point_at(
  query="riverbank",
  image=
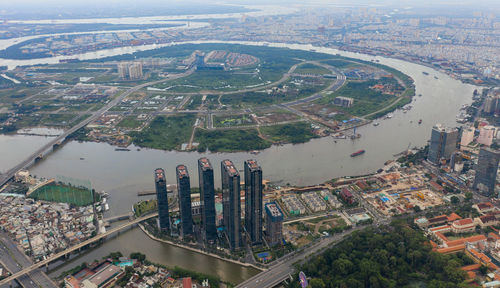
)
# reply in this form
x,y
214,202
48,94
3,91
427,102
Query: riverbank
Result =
x,y
299,165
197,250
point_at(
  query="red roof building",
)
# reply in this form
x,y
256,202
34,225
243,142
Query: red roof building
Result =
x,y
347,196
463,225
187,283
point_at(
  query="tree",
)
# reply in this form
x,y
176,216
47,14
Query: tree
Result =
x,y
483,270
454,200
138,256
468,196
317,283
342,266
417,208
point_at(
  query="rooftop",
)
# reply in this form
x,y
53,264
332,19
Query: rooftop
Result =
x,y
229,167
273,209
485,205
442,128
159,174
463,222
252,164
182,171
204,164
104,275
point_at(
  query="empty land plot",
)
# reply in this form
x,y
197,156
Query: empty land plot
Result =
x,y
230,140
165,133
233,120
309,68
275,117
129,122
298,132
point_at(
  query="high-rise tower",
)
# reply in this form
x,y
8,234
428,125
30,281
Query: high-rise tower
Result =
x,y
253,201
443,143
207,194
231,203
161,196
184,189
486,171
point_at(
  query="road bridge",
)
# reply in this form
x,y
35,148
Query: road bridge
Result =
x,y
54,257
57,141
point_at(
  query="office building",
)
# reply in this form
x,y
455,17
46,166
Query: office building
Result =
x,y
274,224
343,101
123,70
184,190
486,135
486,171
162,198
443,143
490,105
135,71
231,203
467,136
253,201
207,195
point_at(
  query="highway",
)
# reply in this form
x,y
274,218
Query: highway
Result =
x,y
283,268
36,266
14,260
47,148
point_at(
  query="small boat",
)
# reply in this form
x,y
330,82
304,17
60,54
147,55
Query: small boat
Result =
x,y
355,136
435,77
357,153
376,124
122,149
425,73
254,152
419,95
420,121
81,158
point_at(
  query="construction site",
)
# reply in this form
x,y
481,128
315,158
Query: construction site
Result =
x,y
403,192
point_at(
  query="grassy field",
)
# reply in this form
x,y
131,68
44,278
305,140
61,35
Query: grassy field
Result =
x,y
299,132
366,100
297,88
63,194
233,120
230,140
56,120
165,133
341,63
130,122
211,80
309,68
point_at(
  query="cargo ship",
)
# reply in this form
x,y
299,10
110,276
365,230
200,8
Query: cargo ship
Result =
x,y
357,153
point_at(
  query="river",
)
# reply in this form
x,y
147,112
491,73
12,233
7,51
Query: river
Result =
x,y
122,174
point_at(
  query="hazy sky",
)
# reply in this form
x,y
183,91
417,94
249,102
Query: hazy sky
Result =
x,y
43,7
183,2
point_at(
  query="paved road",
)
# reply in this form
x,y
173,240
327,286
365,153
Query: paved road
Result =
x,y
48,147
283,268
36,266
14,260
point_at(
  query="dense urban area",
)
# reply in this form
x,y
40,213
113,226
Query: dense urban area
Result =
x,y
214,94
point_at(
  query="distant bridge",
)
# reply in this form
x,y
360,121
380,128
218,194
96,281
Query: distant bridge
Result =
x,y
57,141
